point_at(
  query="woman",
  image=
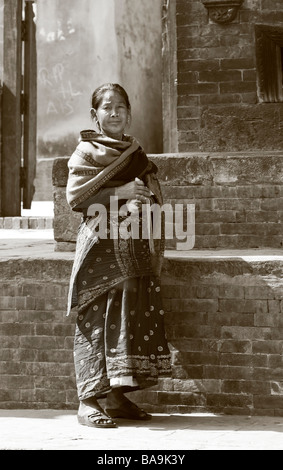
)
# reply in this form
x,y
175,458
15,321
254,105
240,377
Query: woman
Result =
x,y
120,343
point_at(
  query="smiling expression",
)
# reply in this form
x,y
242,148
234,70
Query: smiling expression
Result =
x,y
112,115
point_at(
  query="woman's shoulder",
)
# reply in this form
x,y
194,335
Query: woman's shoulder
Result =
x,y
84,149
85,141
131,139
88,135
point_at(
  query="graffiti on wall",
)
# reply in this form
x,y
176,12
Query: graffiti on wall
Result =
x,y
62,90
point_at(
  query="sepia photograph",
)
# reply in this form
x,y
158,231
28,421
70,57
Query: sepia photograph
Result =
x,y
141,227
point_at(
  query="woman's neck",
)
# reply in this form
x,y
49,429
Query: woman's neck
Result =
x,y
114,136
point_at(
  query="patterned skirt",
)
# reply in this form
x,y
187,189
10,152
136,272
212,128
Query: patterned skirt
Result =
x,y
120,338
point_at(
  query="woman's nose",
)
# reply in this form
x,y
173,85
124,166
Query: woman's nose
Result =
x,y
114,113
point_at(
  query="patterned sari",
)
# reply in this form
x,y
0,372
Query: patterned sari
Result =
x,y
120,338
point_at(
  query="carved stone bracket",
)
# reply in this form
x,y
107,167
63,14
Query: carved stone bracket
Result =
x,y
222,11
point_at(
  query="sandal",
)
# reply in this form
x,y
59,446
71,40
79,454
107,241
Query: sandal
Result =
x,y
128,410
89,416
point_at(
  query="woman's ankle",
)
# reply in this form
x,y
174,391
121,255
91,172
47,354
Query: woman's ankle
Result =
x,y
115,396
90,401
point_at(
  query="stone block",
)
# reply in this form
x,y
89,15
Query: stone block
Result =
x,y
237,198
243,127
66,221
60,171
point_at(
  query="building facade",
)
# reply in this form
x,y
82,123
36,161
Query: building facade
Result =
x,y
223,75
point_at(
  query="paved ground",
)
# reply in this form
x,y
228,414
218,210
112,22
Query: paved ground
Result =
x,y
29,244
59,430
40,244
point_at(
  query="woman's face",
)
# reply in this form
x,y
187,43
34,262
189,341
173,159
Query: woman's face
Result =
x,y
112,115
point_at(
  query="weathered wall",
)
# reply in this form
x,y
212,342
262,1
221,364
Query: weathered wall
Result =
x,y
218,102
84,44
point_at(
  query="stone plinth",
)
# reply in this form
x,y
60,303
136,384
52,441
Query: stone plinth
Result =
x,y
223,320
238,198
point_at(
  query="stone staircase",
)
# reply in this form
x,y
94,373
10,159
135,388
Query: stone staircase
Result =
x,y
223,298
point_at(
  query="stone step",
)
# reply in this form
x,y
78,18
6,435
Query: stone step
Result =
x,y
223,322
230,200
40,216
16,223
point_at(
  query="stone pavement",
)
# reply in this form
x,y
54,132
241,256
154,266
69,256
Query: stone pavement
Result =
x,y
59,430
39,243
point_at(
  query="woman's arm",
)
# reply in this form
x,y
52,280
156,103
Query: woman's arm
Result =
x,y
134,190
102,196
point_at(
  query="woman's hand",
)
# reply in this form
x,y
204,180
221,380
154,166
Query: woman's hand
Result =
x,y
133,190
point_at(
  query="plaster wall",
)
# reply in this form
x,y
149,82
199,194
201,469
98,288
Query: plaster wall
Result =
x,y
81,46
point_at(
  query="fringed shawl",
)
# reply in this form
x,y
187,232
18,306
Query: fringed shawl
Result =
x,y
97,162
100,161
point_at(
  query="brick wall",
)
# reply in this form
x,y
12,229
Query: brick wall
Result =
x,y
238,198
223,321
36,363
225,325
217,73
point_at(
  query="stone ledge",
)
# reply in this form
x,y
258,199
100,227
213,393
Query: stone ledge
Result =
x,y
17,223
39,258
237,197
204,168
267,254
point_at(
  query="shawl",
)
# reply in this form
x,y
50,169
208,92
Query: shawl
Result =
x,y
100,161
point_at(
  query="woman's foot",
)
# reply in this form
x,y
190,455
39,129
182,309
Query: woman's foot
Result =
x,y
118,406
91,414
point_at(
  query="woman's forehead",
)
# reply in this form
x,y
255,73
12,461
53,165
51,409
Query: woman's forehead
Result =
x,y
111,96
